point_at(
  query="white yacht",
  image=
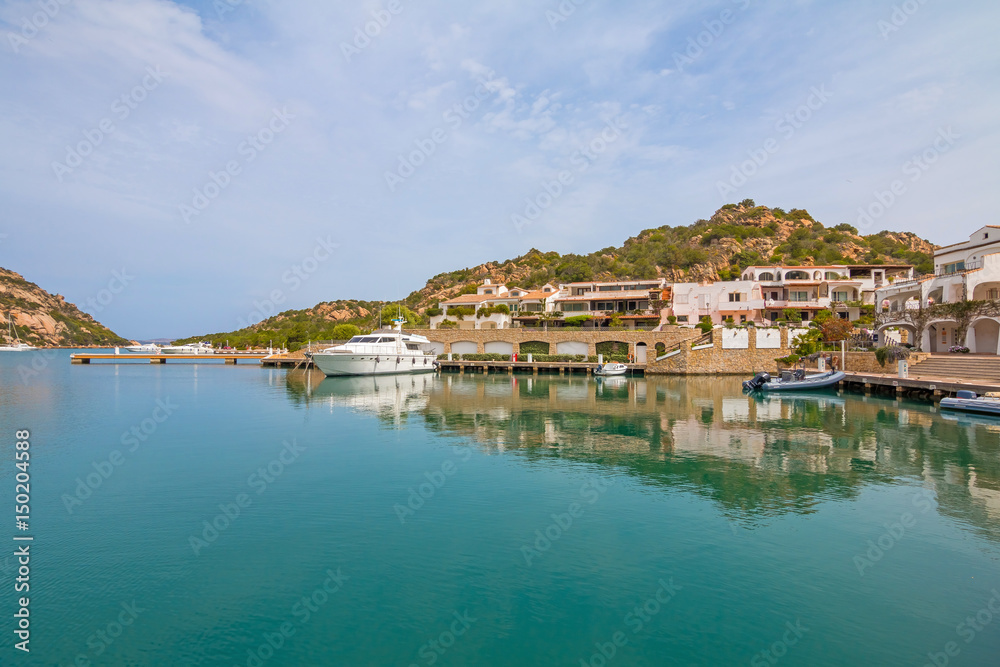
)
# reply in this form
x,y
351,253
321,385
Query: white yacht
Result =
x,y
149,348
380,352
190,348
16,345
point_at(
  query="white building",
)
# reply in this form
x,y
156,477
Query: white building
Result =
x,y
969,270
488,296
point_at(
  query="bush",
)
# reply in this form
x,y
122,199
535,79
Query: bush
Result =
x,y
490,356
345,331
671,319
533,347
705,324
486,311
447,324
577,320
461,311
433,311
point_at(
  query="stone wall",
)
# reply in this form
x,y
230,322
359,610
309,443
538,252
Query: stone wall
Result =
x,y
670,336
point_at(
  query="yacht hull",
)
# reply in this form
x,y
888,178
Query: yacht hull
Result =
x,y
335,364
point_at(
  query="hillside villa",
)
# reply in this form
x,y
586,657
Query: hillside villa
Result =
x,y
969,270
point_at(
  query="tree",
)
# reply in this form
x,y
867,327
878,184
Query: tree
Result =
x,y
806,342
964,313
836,329
917,319
345,331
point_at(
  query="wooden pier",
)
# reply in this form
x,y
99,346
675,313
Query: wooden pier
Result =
x,y
926,388
229,358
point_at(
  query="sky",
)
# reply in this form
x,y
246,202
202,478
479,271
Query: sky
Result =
x,y
185,168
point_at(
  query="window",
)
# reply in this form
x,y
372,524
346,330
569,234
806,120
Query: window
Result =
x,y
681,298
775,296
743,318
843,315
609,288
805,315
682,318
993,294
735,297
604,305
954,267
573,307
772,316
632,305
798,296
841,296
487,291
766,276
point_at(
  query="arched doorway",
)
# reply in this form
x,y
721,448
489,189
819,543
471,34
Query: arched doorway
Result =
x,y
987,333
640,353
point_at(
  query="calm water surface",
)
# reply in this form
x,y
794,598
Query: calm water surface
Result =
x,y
264,517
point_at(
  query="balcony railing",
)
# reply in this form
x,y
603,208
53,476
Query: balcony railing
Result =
x,y
969,266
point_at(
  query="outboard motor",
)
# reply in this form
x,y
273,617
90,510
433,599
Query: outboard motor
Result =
x,y
757,382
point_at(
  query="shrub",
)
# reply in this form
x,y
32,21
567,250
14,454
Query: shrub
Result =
x,y
461,311
705,324
892,353
489,356
577,320
534,347
447,324
345,331
671,319
433,311
836,329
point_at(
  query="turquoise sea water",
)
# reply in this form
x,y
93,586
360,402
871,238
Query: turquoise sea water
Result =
x,y
470,520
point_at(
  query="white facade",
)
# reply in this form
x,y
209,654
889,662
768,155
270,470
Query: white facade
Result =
x,y
969,270
740,299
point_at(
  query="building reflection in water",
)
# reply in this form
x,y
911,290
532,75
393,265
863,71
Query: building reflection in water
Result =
x,y
755,456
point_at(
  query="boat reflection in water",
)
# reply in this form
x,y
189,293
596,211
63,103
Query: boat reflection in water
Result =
x,y
391,398
755,456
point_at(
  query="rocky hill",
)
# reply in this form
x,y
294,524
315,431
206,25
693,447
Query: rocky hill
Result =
x,y
736,236
43,319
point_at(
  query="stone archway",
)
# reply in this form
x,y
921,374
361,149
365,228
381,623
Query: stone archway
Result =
x,y
987,336
640,353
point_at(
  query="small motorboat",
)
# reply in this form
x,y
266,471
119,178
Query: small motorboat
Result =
x,y
793,381
968,401
607,370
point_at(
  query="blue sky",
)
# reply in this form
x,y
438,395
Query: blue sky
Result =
x,y
226,153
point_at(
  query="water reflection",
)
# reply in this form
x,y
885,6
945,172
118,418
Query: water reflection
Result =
x,y
755,456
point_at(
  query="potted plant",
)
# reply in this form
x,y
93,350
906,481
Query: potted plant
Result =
x,y
958,349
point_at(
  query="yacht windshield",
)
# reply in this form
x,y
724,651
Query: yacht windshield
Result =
x,y
356,339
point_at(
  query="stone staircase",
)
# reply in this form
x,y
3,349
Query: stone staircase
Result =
x,y
959,367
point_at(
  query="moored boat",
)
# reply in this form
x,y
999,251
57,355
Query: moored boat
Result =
x,y
149,348
16,345
378,353
793,381
968,401
611,369
191,348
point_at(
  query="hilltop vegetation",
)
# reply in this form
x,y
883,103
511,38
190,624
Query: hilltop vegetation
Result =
x,y
736,236
44,319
